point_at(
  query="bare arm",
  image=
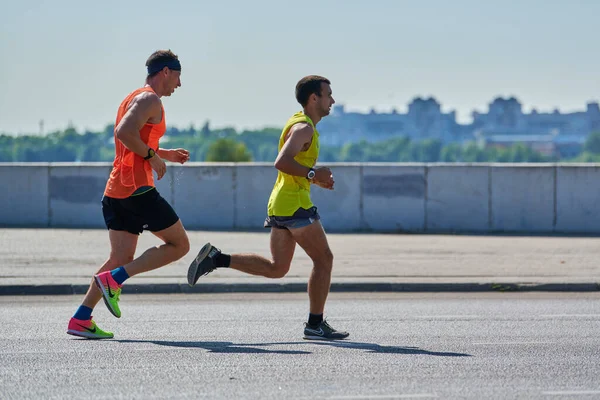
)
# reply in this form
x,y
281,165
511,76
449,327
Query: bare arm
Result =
x,y
174,155
298,137
163,153
143,108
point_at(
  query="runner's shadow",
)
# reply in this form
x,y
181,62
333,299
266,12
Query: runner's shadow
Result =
x,y
376,348
221,347
372,348
254,348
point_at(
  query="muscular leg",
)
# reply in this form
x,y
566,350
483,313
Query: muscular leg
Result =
x,y
122,251
313,240
176,246
282,251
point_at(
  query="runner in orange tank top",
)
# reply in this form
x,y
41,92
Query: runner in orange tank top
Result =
x,y
131,202
131,171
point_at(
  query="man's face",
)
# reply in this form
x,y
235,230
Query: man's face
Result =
x,y
172,81
325,100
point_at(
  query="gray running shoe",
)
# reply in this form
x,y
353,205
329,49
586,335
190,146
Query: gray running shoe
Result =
x,y
203,264
323,331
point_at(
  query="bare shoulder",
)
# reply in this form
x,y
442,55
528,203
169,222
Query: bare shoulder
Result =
x,y
147,100
147,107
302,129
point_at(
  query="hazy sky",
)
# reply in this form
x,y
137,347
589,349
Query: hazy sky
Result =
x,y
73,61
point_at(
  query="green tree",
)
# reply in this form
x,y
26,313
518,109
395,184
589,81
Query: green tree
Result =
x,y
586,157
519,153
6,148
451,153
592,143
354,151
228,150
472,153
205,131
430,150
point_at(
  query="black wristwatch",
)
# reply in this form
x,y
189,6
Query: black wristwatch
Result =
x,y
311,174
151,154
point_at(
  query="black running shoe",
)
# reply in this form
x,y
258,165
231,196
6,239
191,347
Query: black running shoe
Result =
x,y
203,264
323,331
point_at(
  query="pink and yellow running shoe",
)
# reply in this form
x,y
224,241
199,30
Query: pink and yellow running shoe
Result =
x,y
87,329
110,292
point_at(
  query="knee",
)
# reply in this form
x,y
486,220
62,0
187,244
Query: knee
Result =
x,y
329,258
185,246
182,246
279,271
325,260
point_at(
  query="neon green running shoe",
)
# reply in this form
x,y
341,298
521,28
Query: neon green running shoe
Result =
x,y
87,329
110,290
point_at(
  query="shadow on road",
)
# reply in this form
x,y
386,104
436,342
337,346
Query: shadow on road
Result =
x,y
230,347
220,347
376,348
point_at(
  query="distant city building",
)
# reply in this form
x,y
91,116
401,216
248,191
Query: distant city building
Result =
x,y
424,120
555,134
550,133
506,116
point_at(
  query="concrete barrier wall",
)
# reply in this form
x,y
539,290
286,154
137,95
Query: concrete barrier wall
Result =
x,y
24,195
393,197
458,198
75,194
204,195
253,187
525,198
577,198
340,208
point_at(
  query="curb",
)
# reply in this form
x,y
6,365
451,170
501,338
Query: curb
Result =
x,y
166,288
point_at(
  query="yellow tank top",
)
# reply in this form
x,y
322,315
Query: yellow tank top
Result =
x,y
293,192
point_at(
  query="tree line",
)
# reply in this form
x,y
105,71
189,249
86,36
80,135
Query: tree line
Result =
x,y
227,144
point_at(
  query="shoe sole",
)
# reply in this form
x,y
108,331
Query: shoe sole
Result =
x,y
309,337
105,296
87,335
193,269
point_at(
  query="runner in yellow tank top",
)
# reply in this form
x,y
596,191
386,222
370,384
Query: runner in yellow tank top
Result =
x,y
291,215
290,192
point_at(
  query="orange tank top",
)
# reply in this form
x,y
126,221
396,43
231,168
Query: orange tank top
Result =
x,y
130,171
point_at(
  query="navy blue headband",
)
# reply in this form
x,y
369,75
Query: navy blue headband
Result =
x,y
170,63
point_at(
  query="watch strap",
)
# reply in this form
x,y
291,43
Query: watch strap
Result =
x,y
151,153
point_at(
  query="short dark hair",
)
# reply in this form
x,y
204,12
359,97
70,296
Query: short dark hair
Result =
x,y
308,85
160,56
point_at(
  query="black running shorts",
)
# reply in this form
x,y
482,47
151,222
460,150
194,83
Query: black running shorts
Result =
x,y
147,211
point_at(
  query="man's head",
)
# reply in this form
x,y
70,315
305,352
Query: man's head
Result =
x,y
313,92
164,71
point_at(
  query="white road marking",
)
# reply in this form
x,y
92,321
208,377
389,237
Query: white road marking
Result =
x,y
389,396
572,393
447,316
570,316
507,343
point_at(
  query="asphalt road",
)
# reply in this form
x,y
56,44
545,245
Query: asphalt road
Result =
x,y
484,345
